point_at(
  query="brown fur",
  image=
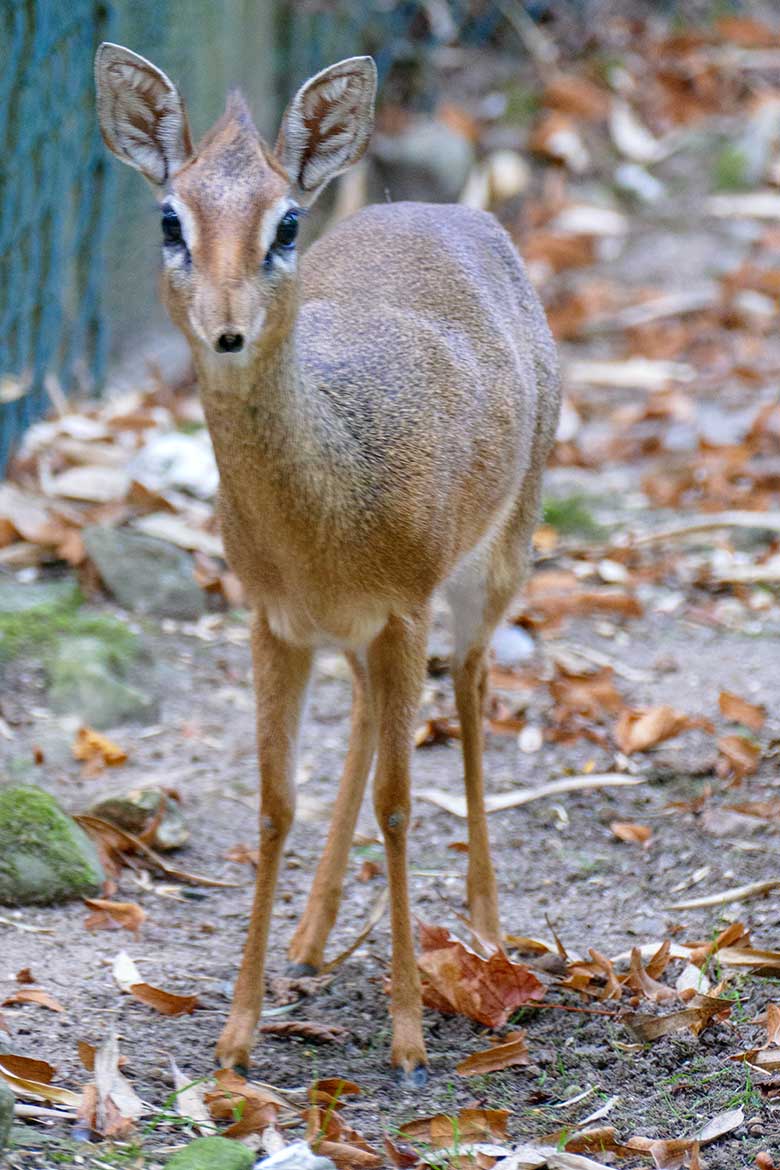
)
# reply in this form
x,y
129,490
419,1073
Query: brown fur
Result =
x,y
385,435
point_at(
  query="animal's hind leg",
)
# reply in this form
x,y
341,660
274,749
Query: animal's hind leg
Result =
x,y
308,944
478,596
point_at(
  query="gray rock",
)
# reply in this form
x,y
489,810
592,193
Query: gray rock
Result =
x,y
427,160
211,1153
144,574
18,598
6,1114
44,855
84,681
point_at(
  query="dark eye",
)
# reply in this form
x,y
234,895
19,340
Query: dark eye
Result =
x,y
171,227
287,231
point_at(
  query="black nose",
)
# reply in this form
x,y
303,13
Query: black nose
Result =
x,y
230,342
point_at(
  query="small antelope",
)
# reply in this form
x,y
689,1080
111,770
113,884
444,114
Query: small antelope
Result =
x,y
381,413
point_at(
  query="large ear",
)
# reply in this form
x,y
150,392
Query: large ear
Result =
x,y
141,114
327,125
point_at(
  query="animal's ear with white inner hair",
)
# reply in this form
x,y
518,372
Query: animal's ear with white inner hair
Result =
x,y
141,114
328,125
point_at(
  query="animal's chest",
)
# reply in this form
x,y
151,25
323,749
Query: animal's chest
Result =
x,y
310,590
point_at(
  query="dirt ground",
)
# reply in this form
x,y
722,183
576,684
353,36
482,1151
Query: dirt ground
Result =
x,y
559,863
556,859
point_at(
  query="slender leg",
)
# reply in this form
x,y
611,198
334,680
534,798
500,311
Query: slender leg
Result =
x,y
396,662
308,943
470,680
281,672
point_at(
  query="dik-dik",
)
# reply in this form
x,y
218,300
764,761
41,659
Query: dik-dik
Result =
x,y
381,411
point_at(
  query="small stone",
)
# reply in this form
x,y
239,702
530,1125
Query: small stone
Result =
x,y
512,646
44,855
143,809
145,575
212,1153
84,681
6,1114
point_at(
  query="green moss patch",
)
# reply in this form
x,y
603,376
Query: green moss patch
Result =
x,y
44,855
33,618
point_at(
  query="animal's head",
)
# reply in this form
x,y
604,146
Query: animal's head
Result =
x,y
230,206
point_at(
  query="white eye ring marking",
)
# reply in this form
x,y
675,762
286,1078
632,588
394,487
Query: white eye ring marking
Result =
x,y
270,222
189,229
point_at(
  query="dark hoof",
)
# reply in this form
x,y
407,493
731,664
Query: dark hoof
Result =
x,y
242,1070
416,1079
301,970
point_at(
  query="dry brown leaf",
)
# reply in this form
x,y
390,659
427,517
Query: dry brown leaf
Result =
x,y
402,1155
632,833
307,1030
767,1059
468,1125
36,996
741,757
25,975
329,1135
250,1108
110,1106
436,731
746,32
773,1023
28,1068
368,870
86,1053
164,1002
255,1118
117,841
738,710
458,980
243,854
114,915
701,1010
641,729
572,94
641,981
23,1087
347,1155
591,695
90,746
503,1054
330,1090
29,516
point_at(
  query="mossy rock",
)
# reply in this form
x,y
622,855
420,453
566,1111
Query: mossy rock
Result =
x,y
44,855
84,681
35,617
212,1153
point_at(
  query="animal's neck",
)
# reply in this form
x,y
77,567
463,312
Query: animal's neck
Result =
x,y
272,431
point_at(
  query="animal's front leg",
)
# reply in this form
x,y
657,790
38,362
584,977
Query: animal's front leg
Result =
x,y
281,673
397,667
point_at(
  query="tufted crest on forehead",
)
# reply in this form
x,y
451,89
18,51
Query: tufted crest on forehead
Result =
x,y
232,161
